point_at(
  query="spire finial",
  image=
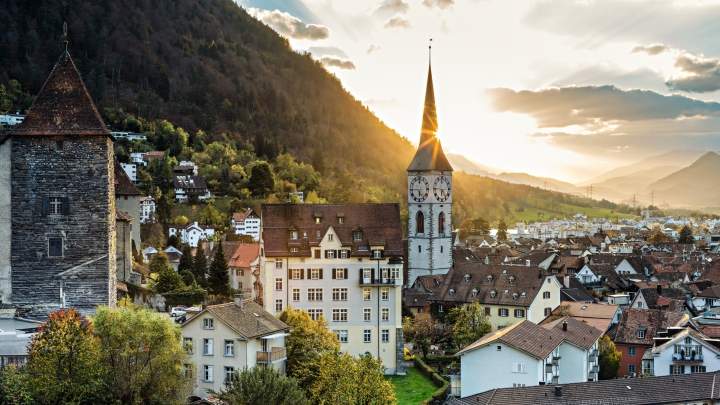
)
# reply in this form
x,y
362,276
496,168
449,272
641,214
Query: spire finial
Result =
x,y
65,36
430,51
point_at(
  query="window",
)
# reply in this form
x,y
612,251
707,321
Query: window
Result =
x,y
503,312
341,220
385,335
55,206
294,235
339,314
487,311
331,237
229,373
188,370
367,274
207,373
344,254
278,305
207,347
395,273
441,223
294,250
498,348
278,284
317,220
55,247
330,254
384,293
342,335
208,323
385,312
229,348
519,367
639,304
697,369
419,248
367,294
296,274
296,294
315,274
547,311
677,369
316,253
377,254
315,294
315,313
367,335
367,314
546,295
519,313
641,333
188,344
631,350
339,294
357,235
278,264
340,274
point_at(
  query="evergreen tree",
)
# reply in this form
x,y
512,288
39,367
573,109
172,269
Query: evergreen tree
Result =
x,y
218,277
502,230
686,235
186,261
261,181
200,266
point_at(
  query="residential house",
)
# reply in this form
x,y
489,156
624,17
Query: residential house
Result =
x,y
342,262
600,316
670,390
244,266
190,188
147,210
659,298
16,333
192,234
525,354
634,334
186,167
509,294
10,120
127,199
228,338
418,298
131,171
246,223
682,351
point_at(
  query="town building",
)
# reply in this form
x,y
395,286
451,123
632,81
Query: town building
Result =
x,y
192,234
509,294
127,199
601,316
524,354
246,223
131,170
342,262
147,210
128,136
228,338
57,198
10,120
681,351
186,167
190,188
244,266
429,180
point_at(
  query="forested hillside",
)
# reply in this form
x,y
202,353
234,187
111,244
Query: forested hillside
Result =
x,y
211,69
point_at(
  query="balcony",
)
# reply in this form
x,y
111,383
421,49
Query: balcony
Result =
x,y
593,356
365,281
595,369
688,353
548,368
275,354
555,380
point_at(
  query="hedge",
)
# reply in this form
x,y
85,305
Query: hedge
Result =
x,y
438,397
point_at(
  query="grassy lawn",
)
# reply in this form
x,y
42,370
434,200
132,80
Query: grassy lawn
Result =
x,y
412,388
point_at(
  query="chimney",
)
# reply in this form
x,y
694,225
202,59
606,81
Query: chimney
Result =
x,y
238,299
558,391
564,326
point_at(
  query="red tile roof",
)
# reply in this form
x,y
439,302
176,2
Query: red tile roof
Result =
x,y
243,255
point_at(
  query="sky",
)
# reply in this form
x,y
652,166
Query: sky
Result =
x,y
559,88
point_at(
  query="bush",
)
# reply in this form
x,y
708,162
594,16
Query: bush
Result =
x,y
443,385
186,296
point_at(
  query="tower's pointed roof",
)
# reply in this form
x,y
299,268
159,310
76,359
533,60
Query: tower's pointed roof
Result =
x,y
63,106
429,155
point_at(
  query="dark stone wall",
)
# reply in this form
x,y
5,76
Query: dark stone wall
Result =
x,y
78,169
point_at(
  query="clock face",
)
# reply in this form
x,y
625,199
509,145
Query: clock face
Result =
x,y
419,188
441,188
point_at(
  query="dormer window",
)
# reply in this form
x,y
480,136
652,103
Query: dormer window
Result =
x,y
377,254
493,293
318,220
357,235
451,292
512,279
318,234
467,278
515,296
641,333
489,278
294,235
340,219
474,292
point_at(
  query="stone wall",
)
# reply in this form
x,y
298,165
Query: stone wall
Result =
x,y
79,170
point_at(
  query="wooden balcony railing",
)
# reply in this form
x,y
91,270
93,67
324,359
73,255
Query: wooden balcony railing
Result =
x,y
275,354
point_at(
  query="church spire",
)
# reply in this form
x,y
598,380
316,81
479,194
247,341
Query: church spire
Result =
x,y
429,120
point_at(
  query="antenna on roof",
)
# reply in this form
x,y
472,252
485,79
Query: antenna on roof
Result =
x,y
65,36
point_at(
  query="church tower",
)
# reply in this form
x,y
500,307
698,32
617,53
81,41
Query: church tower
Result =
x,y
429,199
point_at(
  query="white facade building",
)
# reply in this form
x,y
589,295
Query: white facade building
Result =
x,y
343,263
147,210
131,170
192,234
429,182
9,120
138,158
227,338
246,223
685,352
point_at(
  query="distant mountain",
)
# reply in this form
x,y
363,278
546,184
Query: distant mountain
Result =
x,y
463,164
545,183
664,164
692,186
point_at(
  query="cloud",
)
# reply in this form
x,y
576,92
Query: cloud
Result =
x,y
327,51
390,7
337,62
699,74
443,4
290,26
373,48
597,105
653,49
397,22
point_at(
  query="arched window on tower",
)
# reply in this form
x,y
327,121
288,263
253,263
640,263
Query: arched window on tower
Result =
x,y
420,222
441,224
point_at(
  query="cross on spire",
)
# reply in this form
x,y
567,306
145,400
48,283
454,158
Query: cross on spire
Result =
x,y
65,40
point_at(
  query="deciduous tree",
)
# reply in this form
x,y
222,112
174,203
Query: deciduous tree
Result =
x,y
609,358
344,379
423,332
686,235
502,230
469,323
260,386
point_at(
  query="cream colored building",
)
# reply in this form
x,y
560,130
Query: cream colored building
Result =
x,y
226,338
342,262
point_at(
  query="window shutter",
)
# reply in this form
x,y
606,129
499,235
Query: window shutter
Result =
x,y
45,206
289,274
308,274
372,274
65,206
321,273
334,275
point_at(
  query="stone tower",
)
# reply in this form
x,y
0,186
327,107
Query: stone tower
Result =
x,y
62,200
429,199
